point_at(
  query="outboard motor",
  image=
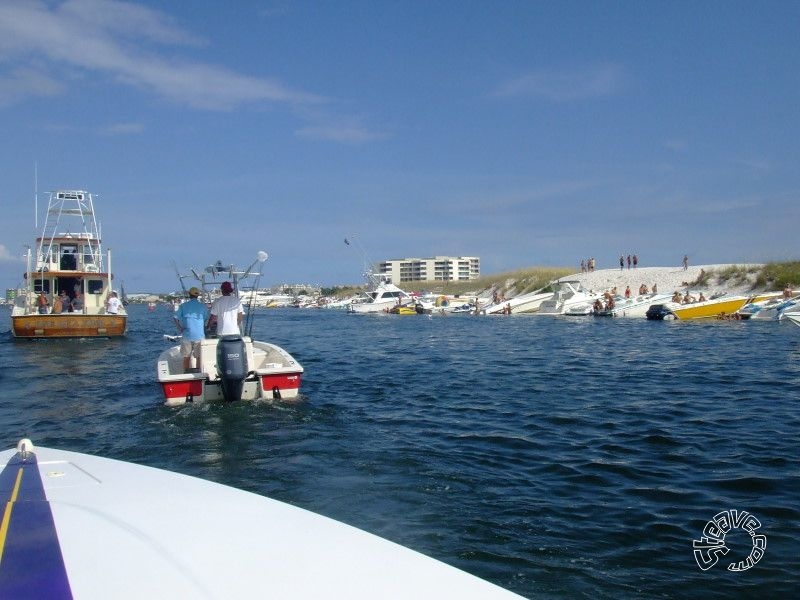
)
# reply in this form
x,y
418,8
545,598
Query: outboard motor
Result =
x,y
232,366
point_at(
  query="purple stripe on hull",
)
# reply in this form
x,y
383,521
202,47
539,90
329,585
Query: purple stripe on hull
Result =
x,y
31,565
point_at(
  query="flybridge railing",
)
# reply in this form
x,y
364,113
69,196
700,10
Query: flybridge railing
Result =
x,y
72,206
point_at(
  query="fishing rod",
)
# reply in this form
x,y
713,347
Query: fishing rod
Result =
x,y
180,278
261,258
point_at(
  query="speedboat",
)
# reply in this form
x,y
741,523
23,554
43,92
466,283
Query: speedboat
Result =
x,y
768,310
637,307
524,303
91,528
566,294
581,309
231,367
68,277
709,309
381,297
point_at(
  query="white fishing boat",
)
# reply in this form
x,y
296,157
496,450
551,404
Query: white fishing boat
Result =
x,y
381,296
68,290
566,294
83,527
231,367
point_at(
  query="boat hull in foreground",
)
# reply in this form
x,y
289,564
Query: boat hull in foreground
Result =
x,y
85,527
271,374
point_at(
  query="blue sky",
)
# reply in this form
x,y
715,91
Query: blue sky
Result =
x,y
526,133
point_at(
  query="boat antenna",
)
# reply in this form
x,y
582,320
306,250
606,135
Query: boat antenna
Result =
x,y
261,258
367,268
36,195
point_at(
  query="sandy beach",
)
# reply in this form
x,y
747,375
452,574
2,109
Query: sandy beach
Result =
x,y
668,279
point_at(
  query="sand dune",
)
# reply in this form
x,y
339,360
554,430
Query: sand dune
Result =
x,y
668,279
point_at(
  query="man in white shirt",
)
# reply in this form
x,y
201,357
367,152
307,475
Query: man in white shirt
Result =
x,y
112,304
226,311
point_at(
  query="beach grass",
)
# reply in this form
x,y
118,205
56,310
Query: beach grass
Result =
x,y
520,281
777,276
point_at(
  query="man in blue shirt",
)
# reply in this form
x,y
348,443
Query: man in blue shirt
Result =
x,y
191,318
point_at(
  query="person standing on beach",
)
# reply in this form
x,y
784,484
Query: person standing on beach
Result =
x,y
635,261
685,262
629,261
227,310
621,262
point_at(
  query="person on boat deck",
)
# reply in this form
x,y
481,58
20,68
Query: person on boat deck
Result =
x,y
58,303
77,303
627,291
43,303
226,311
676,297
112,304
701,298
191,319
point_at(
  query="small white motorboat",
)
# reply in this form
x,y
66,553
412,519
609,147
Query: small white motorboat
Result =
x,y
567,294
231,368
85,527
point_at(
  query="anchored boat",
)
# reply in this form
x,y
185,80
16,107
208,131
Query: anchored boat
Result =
x,y
382,295
68,278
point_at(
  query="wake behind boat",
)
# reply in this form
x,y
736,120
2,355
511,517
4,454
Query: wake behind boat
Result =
x,y
68,280
230,367
86,527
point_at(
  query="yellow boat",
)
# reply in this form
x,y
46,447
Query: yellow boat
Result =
x,y
404,310
709,309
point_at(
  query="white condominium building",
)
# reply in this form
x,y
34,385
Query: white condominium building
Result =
x,y
438,268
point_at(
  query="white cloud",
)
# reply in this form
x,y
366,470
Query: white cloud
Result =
x,y
119,39
22,82
349,131
123,129
6,256
565,85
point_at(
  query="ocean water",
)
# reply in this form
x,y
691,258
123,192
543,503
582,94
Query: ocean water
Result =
x,y
557,458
